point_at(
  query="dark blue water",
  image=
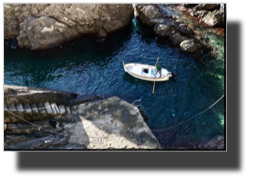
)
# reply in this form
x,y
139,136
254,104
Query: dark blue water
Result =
x,y
92,66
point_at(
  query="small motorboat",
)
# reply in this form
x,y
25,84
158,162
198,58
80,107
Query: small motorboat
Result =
x,y
147,72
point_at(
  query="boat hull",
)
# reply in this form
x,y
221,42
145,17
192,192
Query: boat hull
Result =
x,y
164,78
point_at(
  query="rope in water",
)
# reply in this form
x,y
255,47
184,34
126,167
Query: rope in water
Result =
x,y
137,101
191,117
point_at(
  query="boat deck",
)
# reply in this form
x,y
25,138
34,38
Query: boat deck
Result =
x,y
146,72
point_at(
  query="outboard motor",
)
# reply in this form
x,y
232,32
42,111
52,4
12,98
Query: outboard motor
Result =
x,y
174,73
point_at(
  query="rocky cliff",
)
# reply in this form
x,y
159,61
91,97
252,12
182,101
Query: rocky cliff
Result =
x,y
41,26
168,26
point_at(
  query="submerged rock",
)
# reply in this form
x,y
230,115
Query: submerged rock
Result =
x,y
46,25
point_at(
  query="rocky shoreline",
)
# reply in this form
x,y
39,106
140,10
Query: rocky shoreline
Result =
x,y
169,27
177,31
42,26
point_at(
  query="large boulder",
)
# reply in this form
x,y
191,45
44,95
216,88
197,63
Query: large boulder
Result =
x,y
183,28
44,32
163,30
176,38
72,20
190,46
215,18
146,13
167,21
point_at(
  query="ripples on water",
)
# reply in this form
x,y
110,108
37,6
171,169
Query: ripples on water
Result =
x,y
92,66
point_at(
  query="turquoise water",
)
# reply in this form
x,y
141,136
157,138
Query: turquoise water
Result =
x,y
91,66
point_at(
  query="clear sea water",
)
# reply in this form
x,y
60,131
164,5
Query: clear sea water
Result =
x,y
91,66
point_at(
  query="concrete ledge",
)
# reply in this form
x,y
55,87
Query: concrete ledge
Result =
x,y
24,95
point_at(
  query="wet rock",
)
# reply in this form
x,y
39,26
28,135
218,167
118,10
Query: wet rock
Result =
x,y
47,25
146,13
176,38
102,33
153,22
167,16
183,28
163,30
136,14
190,46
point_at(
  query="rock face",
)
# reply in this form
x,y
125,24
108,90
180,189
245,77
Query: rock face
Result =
x,y
201,13
211,14
166,26
44,32
206,7
40,26
215,18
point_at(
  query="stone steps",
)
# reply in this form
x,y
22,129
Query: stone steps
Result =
x,y
37,111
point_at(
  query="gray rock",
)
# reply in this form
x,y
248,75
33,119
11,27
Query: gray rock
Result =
x,y
215,18
206,7
183,28
176,38
190,46
162,30
146,13
153,22
201,13
41,26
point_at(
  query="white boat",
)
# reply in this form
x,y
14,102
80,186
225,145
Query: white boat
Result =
x,y
146,72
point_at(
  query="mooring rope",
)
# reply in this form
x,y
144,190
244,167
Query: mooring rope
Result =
x,y
191,117
32,123
137,101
